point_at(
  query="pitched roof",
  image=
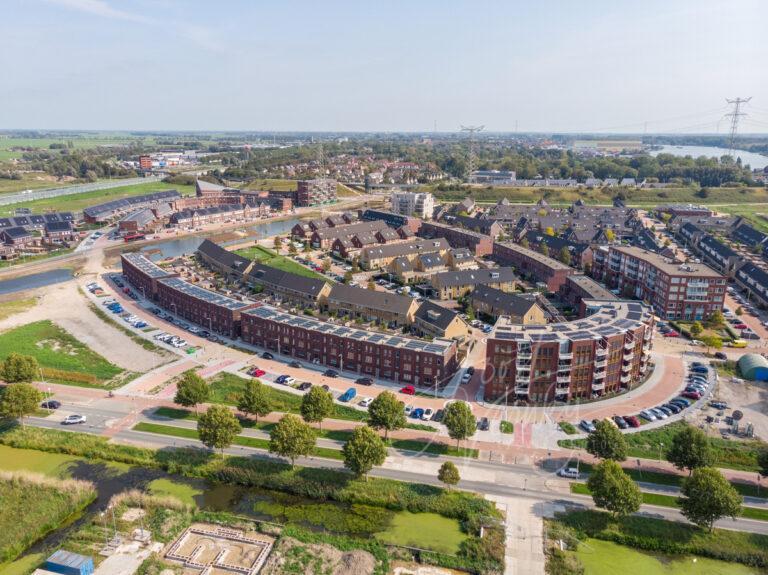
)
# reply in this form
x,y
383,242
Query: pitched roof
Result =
x,y
508,303
436,315
379,300
222,256
474,277
16,233
286,280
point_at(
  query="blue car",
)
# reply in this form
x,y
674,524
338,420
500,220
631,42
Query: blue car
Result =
x,y
348,395
417,413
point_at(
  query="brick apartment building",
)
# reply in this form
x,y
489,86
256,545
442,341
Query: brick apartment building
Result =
x,y
480,244
526,261
315,192
603,353
143,274
689,291
403,360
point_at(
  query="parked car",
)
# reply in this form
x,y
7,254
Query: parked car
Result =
x,y
365,402
295,364
466,378
267,355
692,394
438,417
719,404
428,414
74,419
417,413
720,355
281,378
632,420
331,373
348,395
648,415
304,386
483,424
408,390
51,404
671,333
364,381
407,410
675,409
619,421
256,372
587,426
568,472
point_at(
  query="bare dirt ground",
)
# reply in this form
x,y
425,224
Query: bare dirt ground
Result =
x,y
750,397
68,308
317,560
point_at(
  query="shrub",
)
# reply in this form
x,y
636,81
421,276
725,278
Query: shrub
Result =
x,y
568,428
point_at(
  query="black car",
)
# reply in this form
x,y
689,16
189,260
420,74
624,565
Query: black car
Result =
x,y
304,385
471,370
484,424
719,404
51,404
267,355
295,364
204,333
330,373
157,310
620,422
326,388
364,381
439,414
720,355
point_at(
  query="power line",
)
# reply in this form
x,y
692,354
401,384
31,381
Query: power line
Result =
x,y
471,159
734,116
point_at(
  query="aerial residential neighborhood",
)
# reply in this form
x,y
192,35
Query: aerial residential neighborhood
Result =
x,y
383,288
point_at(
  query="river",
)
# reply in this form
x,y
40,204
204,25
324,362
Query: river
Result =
x,y
755,161
33,281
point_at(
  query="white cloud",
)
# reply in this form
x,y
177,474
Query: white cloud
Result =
x,y
99,8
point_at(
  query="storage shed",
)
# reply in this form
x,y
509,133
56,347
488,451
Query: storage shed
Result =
x,y
753,367
68,563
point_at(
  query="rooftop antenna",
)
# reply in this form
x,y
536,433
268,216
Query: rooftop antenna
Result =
x,y
734,116
472,158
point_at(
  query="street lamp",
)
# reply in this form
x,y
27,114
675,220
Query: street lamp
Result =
x,y
661,445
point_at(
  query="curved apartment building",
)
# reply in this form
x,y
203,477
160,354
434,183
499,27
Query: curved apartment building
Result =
x,y
606,351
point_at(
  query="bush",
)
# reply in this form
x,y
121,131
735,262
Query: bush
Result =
x,y
568,428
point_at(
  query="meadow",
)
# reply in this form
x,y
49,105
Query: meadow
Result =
x,y
62,357
272,259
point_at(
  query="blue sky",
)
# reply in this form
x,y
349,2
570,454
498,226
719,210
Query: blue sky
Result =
x,y
390,65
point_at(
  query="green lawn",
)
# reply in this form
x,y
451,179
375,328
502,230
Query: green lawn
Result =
x,y
253,442
29,182
78,142
227,387
424,530
270,258
62,357
662,500
76,202
741,455
35,258
607,558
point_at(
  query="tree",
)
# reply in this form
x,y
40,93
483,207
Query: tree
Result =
x,y
386,412
347,277
696,329
292,249
707,497
459,420
565,256
690,449
291,438
363,451
610,236
716,318
192,390
712,341
218,427
316,405
326,264
306,249
739,311
19,400
550,231
544,249
607,442
18,368
613,490
255,399
762,461
524,242
371,285
448,474
277,243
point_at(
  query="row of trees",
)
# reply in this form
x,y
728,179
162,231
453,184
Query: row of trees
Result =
x,y
706,495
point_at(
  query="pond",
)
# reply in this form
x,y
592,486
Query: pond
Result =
x,y
751,159
34,281
607,558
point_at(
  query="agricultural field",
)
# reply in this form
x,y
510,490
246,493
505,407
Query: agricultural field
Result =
x,y
30,182
32,505
77,202
78,142
62,357
270,258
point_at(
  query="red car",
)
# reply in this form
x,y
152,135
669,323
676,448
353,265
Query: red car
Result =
x,y
691,394
632,420
408,390
672,333
256,372
740,326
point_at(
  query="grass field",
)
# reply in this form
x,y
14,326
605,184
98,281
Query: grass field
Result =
x,y
35,258
741,455
33,505
12,307
424,530
58,353
270,258
30,182
77,202
607,558
6,153
279,185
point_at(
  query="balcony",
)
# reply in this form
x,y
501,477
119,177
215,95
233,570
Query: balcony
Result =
x,y
563,379
561,391
523,354
600,364
601,350
526,379
625,378
629,345
629,356
598,386
521,390
627,367
599,375
523,364
565,355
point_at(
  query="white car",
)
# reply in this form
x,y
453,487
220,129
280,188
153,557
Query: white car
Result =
x,y
365,402
465,378
408,409
569,472
179,343
428,413
74,419
289,381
